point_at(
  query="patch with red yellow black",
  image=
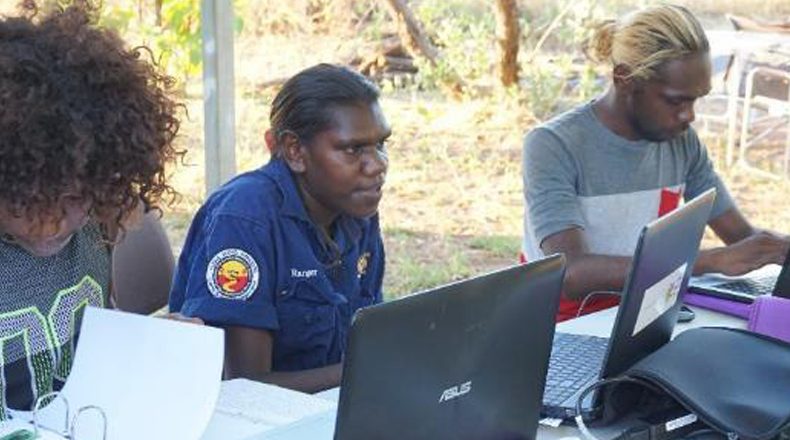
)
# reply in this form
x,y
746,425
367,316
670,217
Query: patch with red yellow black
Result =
x,y
232,274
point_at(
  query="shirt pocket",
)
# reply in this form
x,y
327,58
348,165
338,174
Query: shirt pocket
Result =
x,y
367,294
308,317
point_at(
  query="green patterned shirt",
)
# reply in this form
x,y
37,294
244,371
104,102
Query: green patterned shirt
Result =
x,y
42,300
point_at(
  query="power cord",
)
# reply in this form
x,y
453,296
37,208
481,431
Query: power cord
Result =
x,y
586,433
592,294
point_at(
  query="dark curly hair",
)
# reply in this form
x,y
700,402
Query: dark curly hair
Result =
x,y
81,115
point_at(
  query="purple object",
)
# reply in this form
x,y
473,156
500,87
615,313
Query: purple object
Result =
x,y
734,308
769,317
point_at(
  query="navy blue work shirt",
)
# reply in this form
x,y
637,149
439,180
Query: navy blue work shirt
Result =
x,y
253,258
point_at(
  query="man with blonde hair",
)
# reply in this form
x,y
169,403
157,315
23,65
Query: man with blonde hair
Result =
x,y
595,175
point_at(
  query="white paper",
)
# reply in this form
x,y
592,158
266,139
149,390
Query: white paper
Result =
x,y
247,407
332,394
659,298
320,426
550,422
154,378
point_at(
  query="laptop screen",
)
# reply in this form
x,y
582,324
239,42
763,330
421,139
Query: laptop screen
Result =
x,y
466,360
782,287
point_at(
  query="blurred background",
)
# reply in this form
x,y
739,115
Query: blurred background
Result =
x,y
453,202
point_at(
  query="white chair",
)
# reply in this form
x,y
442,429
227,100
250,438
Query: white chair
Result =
x,y
766,110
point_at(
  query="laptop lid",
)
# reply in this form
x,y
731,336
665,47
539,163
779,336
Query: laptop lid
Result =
x,y
782,286
660,271
465,360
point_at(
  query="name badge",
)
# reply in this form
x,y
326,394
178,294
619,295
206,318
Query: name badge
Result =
x,y
308,273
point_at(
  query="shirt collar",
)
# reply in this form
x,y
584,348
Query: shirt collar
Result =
x,y
292,204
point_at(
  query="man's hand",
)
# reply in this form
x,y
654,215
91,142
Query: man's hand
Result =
x,y
753,252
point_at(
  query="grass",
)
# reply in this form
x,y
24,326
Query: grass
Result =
x,y
503,246
413,275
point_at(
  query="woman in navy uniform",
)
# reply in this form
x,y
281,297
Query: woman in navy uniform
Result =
x,y
281,257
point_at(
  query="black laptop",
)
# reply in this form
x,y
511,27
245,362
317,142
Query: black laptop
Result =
x,y
768,280
463,361
663,260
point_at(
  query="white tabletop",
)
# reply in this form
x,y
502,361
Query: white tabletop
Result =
x,y
600,323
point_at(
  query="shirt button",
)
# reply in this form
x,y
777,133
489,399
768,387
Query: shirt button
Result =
x,y
284,292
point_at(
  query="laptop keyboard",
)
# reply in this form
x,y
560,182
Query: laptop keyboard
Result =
x,y
575,361
763,285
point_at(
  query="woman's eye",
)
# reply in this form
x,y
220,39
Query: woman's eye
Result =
x,y
675,101
354,150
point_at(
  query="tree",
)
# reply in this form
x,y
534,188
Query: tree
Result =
x,y
410,31
417,43
507,35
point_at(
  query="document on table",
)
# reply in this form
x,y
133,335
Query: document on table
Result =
x,y
152,378
247,407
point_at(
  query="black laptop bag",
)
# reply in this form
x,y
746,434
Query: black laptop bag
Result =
x,y
735,382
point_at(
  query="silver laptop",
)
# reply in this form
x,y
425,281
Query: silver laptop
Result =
x,y
464,361
771,279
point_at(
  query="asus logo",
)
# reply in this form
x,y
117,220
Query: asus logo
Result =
x,y
456,391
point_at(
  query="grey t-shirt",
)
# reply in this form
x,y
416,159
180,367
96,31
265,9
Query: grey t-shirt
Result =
x,y
578,173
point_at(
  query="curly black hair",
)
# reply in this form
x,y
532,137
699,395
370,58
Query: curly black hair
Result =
x,y
81,115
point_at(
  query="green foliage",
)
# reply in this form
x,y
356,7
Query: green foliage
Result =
x,y
553,72
118,17
464,32
180,41
378,24
176,41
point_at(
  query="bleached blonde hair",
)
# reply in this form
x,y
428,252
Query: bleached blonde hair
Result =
x,y
646,39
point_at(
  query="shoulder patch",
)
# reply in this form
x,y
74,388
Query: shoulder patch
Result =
x,y
232,274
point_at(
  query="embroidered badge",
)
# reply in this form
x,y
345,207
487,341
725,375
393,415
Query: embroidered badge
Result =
x,y
232,274
362,264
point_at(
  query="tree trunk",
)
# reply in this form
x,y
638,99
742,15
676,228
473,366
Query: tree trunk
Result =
x,y
410,31
158,11
417,43
507,34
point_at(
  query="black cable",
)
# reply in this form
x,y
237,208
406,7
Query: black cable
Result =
x,y
601,383
693,434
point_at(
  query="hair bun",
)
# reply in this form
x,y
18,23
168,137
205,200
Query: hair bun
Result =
x,y
599,47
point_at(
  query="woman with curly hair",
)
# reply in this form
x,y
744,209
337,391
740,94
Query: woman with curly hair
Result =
x,y
86,128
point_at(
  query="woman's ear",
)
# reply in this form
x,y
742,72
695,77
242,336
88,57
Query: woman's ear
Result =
x,y
293,152
271,141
